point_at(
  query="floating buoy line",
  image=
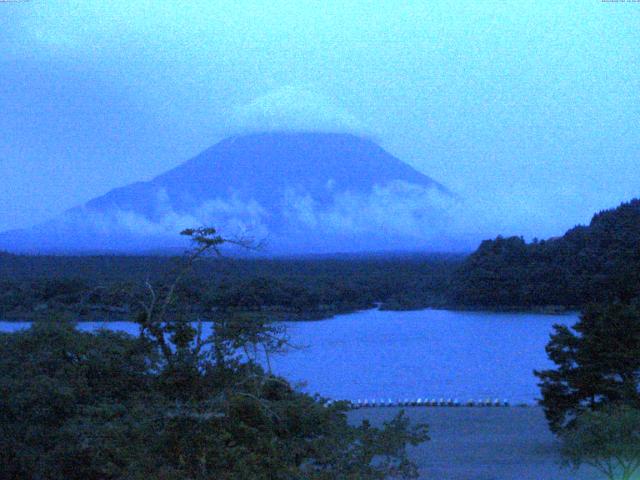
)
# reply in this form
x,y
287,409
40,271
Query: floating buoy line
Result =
x,y
426,402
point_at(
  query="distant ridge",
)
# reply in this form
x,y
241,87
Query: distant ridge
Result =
x,y
303,192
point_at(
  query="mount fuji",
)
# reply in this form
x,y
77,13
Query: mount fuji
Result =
x,y
302,192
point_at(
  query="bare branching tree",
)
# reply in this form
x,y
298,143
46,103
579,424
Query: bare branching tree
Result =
x,y
229,333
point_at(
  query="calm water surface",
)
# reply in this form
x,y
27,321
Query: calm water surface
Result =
x,y
396,355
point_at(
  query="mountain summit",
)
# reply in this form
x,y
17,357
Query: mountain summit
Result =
x,y
302,192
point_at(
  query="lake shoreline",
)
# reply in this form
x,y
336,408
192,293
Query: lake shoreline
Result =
x,y
311,316
537,310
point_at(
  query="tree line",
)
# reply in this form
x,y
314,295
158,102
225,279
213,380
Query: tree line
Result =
x,y
598,263
110,286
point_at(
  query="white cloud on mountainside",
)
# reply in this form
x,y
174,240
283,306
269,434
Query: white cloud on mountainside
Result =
x,y
397,211
232,215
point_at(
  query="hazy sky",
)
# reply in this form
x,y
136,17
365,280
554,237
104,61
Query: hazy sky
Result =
x,y
529,110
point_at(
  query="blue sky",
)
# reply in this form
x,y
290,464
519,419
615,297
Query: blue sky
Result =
x,y
530,110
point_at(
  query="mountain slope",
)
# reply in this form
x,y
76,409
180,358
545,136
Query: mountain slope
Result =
x,y
303,192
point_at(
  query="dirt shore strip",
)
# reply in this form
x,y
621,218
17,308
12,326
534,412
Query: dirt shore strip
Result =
x,y
474,443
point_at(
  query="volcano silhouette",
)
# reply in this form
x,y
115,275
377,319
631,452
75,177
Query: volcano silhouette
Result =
x,y
302,192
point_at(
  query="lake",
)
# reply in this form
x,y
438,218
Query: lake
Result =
x,y
375,354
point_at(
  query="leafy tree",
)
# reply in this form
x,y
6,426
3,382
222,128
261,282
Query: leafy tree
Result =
x,y
598,363
56,385
607,439
595,263
173,404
